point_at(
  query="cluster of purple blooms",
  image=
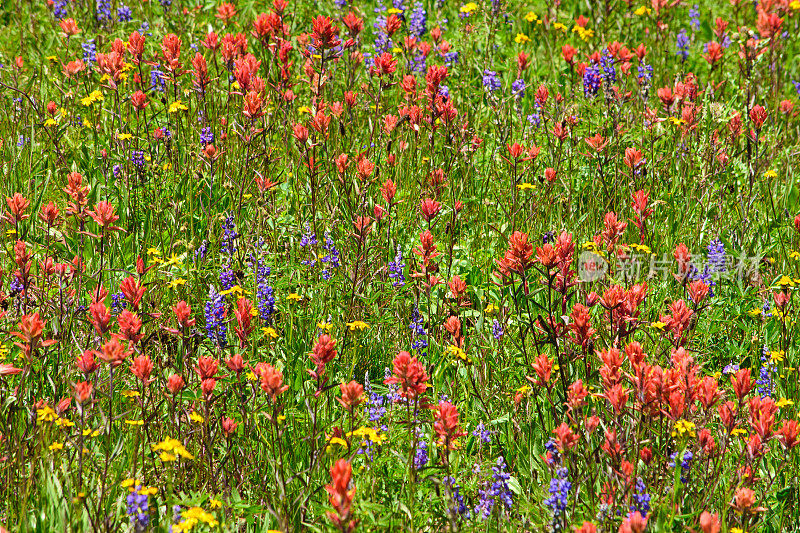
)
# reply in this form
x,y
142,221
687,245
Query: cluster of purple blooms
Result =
x,y
491,81
124,14
396,269
686,464
229,235
206,136
682,43
641,499
265,295
118,303
103,10
89,51
216,328
497,329
60,9
137,158
497,490
138,509
455,489
483,435
417,22
421,455
419,335
518,88
157,79
559,492
591,80
330,260
765,381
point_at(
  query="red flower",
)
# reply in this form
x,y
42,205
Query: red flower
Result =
x,y
142,367
104,215
446,424
758,115
340,496
272,381
430,208
133,291
114,352
206,367
18,205
175,383
352,395
410,374
83,390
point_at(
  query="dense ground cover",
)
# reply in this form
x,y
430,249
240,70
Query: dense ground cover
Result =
x,y
417,266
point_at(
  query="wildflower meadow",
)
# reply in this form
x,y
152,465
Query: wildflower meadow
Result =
x,y
402,265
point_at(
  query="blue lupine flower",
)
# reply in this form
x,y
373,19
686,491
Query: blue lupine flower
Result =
x,y
206,136
229,235
124,14
731,368
227,278
396,269
591,80
157,79
497,330
717,258
482,434
265,295
694,16
200,253
138,509
118,303
89,51
418,20
498,489
216,328
331,260
609,71
103,10
683,45
764,380
420,342
491,81
137,158
518,88
460,507
559,492
60,9
641,499
686,464
375,407
421,457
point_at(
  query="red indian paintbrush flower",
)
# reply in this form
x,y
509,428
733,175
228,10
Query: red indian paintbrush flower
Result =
x,y
410,374
114,352
142,367
352,395
272,381
340,496
82,391
446,424
104,215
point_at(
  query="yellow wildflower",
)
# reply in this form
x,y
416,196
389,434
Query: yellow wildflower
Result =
x,y
357,325
526,186
196,417
56,446
176,106
683,427
270,332
135,422
469,8
531,16
521,38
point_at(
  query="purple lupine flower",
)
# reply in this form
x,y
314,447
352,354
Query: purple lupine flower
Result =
x,y
330,260
591,80
375,407
124,13
418,20
138,509
157,79
641,499
518,88
206,136
89,51
498,490
559,492
60,9
216,328
421,456
137,158
265,295
419,335
717,258
497,330
458,500
694,16
200,253
491,81
396,269
229,235
682,43
103,10
227,278
609,72
482,434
